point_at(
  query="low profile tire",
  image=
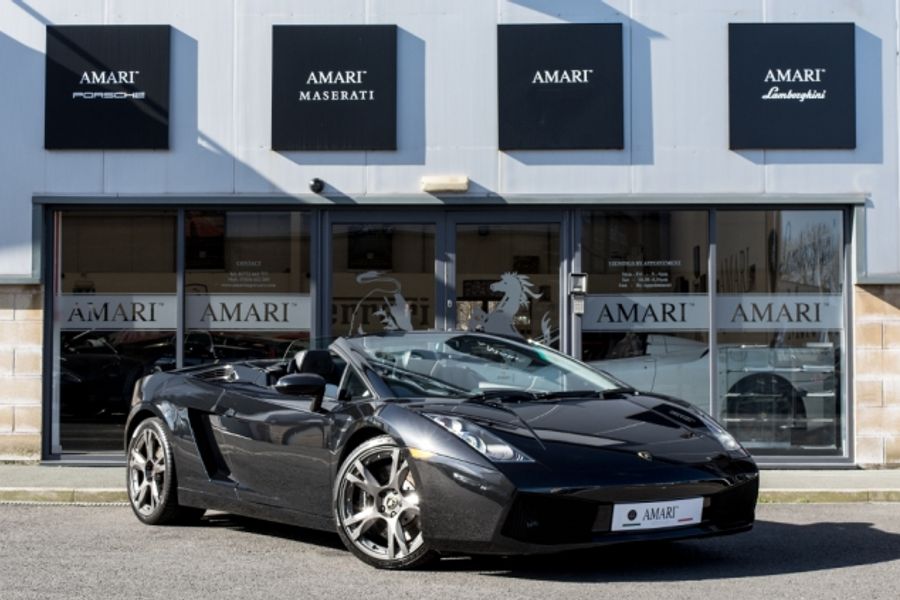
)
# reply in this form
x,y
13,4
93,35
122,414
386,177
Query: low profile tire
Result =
x,y
152,491
376,507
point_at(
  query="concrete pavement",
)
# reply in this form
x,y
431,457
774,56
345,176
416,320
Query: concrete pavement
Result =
x,y
45,483
84,484
795,551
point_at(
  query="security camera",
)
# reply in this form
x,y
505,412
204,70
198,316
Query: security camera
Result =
x,y
316,185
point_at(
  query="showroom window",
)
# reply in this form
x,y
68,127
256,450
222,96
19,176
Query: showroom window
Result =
x,y
779,327
247,284
740,312
241,291
774,365
646,316
115,309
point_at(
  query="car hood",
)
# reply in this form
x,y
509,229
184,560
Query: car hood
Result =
x,y
575,428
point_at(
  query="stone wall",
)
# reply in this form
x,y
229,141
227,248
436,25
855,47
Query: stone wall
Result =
x,y
877,371
21,337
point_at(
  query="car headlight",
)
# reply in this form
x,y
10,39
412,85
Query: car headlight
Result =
x,y
726,439
481,439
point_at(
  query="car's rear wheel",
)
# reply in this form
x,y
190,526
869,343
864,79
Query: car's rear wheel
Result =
x,y
152,490
377,508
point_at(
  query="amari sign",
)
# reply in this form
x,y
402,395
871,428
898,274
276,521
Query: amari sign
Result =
x,y
646,312
783,312
107,87
792,86
690,312
334,87
560,86
116,311
225,312
231,312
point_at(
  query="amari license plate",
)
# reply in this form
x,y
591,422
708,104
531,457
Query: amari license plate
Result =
x,y
656,515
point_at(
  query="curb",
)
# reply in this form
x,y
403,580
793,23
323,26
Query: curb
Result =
x,y
801,496
118,496
64,496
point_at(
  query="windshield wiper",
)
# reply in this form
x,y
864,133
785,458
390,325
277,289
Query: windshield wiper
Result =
x,y
584,393
489,396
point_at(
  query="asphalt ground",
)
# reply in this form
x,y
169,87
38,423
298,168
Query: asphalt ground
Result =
x,y
795,551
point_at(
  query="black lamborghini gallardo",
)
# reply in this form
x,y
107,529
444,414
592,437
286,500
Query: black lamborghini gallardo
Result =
x,y
412,445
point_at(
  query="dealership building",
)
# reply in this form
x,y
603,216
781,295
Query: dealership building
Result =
x,y
698,196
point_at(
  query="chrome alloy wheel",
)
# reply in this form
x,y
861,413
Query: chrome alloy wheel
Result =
x,y
146,472
378,506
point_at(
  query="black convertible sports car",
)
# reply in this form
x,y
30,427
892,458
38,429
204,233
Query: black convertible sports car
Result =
x,y
415,444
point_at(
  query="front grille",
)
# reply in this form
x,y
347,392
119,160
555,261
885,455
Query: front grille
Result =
x,y
541,519
548,519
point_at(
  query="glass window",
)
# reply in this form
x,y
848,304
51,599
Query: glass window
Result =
x,y
646,317
116,310
382,278
247,282
354,388
116,253
242,252
779,314
507,280
645,251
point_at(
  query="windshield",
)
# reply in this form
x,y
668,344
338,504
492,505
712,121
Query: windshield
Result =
x,y
456,365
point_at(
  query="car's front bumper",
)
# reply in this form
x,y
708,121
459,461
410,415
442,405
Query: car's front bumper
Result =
x,y
469,508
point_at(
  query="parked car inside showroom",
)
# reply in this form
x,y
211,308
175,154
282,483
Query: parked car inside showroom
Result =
x,y
413,445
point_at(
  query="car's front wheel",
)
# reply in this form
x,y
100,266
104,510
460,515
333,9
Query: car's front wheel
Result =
x,y
377,508
152,490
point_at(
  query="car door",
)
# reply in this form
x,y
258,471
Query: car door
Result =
x,y
274,446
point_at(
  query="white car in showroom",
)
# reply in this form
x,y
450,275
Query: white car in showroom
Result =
x,y
773,396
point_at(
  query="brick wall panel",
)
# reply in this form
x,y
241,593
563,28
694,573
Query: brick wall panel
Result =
x,y
869,393
28,361
6,419
869,335
27,419
870,450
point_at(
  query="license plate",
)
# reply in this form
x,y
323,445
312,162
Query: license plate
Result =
x,y
656,515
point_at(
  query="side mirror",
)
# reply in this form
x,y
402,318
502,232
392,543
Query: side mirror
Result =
x,y
303,384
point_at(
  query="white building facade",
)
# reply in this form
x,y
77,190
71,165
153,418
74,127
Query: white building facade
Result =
x,y
700,197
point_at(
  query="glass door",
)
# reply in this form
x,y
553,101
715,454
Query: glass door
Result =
x,y
505,276
385,272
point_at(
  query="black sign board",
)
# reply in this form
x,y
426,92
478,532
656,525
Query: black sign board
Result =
x,y
560,86
334,87
792,85
107,87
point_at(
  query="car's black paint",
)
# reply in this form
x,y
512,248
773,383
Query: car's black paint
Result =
x,y
243,447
